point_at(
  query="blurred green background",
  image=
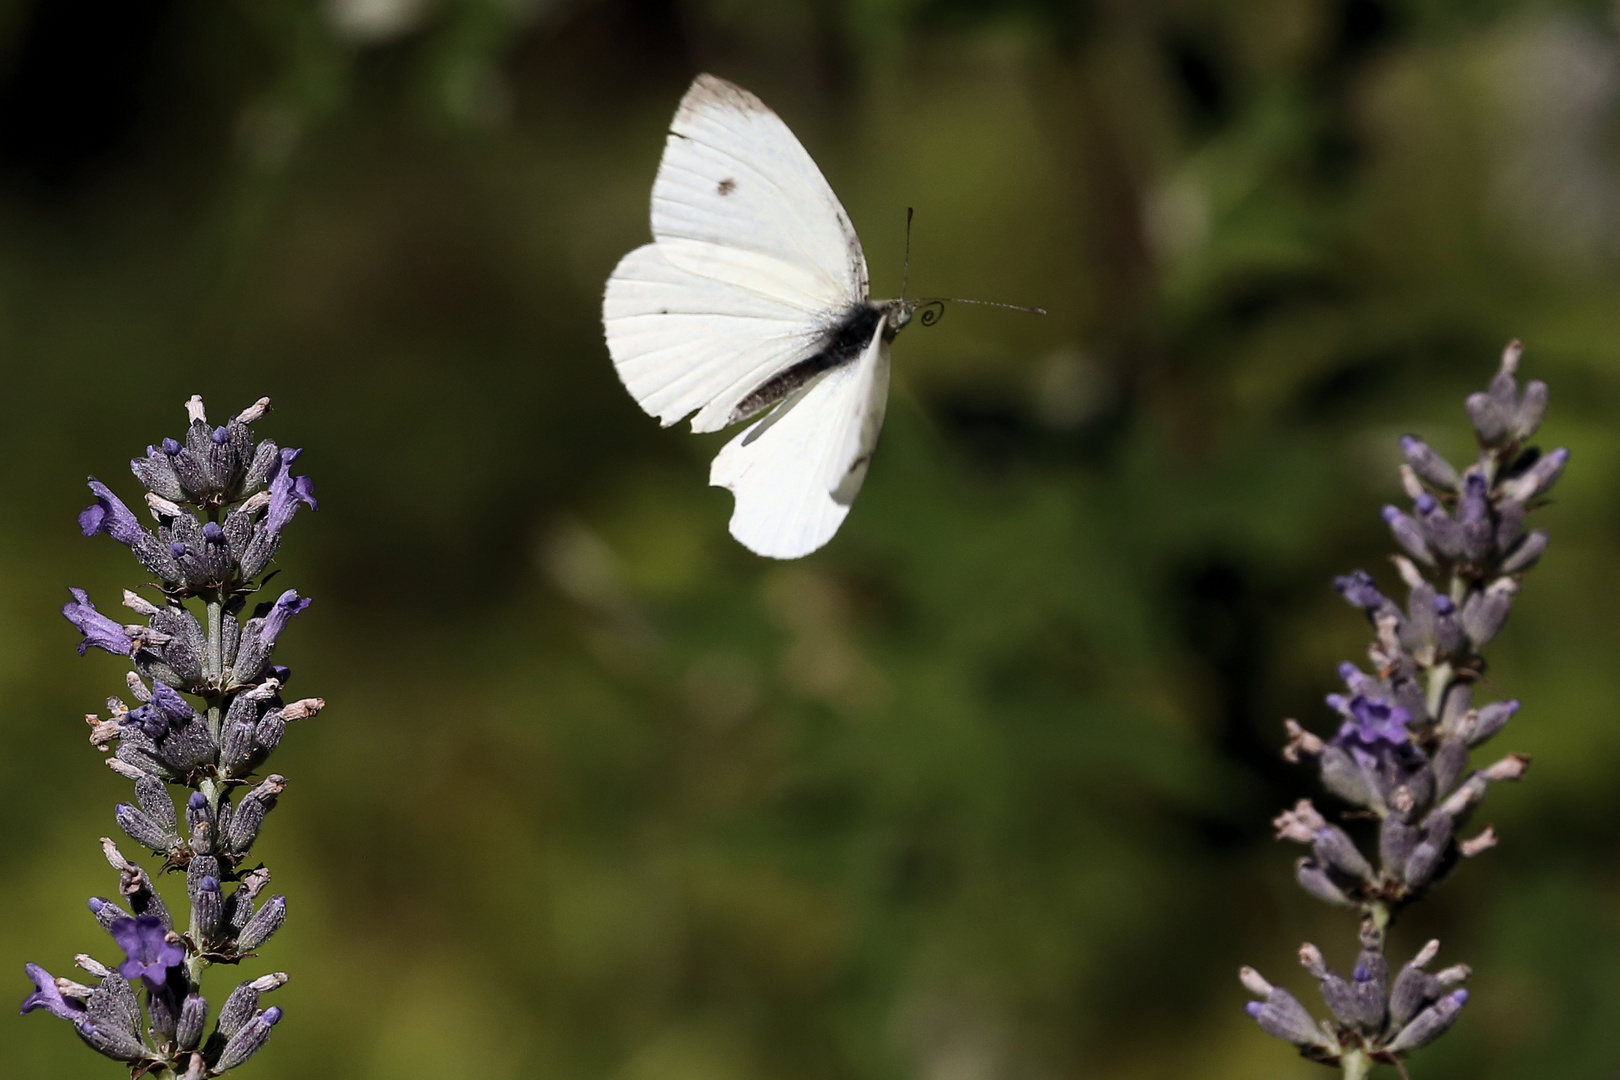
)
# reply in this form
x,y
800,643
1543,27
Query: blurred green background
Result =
x,y
980,791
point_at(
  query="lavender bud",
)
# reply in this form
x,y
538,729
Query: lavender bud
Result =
x,y
106,912
248,1041
157,472
153,795
265,457
112,1005
265,922
200,820
1511,767
1342,777
1360,589
1448,631
1444,535
188,1032
1527,553
163,1011
237,1010
1396,839
1368,983
1426,856
1420,627
1335,848
1450,759
1421,865
209,908
1538,479
1509,523
1408,534
1532,407
1414,988
1492,718
1282,1016
1341,1000
1429,1024
201,868
1365,1003
1452,976
236,746
1474,518
1485,612
109,1041
249,815
1459,696
1316,881
267,736
1489,423
1428,464
135,885
140,827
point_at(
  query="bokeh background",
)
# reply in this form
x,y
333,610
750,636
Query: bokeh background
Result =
x,y
980,791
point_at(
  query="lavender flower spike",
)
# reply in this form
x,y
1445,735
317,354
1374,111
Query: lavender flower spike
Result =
x,y
207,714
98,630
1401,753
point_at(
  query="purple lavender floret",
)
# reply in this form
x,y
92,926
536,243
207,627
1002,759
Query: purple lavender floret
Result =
x,y
174,706
109,515
286,492
1361,590
99,631
1374,724
288,606
47,996
149,719
150,953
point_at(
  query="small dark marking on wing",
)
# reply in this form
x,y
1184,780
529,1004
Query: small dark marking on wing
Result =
x,y
840,344
726,186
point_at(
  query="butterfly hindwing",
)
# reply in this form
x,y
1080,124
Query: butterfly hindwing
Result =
x,y
795,472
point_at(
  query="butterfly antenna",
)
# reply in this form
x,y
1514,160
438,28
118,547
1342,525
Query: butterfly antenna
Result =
x,y
905,273
993,303
931,310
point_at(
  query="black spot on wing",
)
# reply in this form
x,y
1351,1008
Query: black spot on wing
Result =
x,y
841,345
726,186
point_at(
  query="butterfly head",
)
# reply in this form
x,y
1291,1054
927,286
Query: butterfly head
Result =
x,y
897,314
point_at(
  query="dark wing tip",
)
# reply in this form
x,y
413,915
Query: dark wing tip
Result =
x,y
711,91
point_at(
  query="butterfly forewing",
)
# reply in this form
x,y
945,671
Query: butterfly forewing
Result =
x,y
734,176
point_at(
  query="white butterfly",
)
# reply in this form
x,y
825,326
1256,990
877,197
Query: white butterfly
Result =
x,y
753,294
